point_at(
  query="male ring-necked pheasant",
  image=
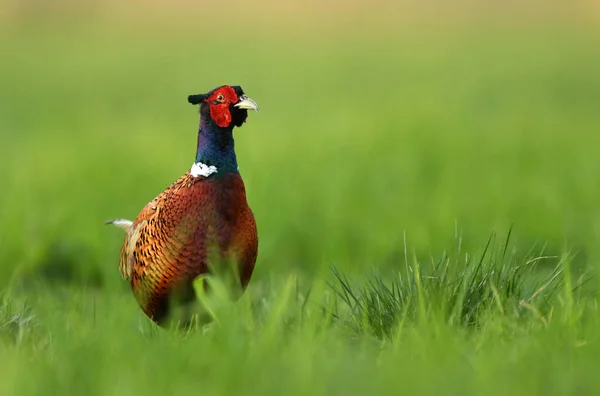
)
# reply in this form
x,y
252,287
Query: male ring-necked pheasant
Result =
x,y
205,212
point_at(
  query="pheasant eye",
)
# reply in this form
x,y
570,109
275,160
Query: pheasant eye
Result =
x,y
220,97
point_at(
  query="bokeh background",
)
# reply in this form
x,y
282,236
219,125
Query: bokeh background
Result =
x,y
387,129
379,121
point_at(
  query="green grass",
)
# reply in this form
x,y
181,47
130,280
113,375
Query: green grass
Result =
x,y
378,168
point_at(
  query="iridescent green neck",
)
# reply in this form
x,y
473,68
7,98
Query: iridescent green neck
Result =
x,y
216,148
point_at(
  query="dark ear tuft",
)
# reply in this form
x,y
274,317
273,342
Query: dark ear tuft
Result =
x,y
197,99
238,90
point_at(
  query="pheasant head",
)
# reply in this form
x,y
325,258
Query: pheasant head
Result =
x,y
221,110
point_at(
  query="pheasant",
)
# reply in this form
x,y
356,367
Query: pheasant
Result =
x,y
201,221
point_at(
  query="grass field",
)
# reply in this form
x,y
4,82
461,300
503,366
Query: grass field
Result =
x,y
386,169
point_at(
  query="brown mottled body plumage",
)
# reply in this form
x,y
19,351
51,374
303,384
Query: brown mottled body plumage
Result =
x,y
168,244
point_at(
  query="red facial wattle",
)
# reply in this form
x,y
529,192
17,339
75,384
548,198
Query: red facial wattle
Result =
x,y
219,103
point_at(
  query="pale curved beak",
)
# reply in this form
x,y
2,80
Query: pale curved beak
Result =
x,y
246,103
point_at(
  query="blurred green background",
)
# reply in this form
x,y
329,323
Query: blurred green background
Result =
x,y
378,121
